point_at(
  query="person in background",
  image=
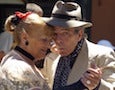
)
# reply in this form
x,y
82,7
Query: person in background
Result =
x,y
34,8
32,36
79,60
106,43
6,40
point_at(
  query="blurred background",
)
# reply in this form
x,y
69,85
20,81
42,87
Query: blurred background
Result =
x,y
100,12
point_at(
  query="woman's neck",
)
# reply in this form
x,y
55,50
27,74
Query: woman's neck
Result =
x,y
24,52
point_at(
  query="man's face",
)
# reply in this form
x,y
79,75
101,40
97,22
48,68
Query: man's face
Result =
x,y
66,39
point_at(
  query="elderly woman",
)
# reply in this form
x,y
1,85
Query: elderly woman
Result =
x,y
32,37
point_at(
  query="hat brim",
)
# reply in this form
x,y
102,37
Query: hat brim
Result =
x,y
66,23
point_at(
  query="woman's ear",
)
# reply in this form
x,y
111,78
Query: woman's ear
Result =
x,y
24,37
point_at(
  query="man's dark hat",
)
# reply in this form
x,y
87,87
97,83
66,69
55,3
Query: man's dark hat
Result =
x,y
67,15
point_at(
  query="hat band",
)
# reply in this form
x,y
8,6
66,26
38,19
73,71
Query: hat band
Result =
x,y
61,16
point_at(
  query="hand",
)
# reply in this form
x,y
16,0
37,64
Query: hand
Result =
x,y
92,77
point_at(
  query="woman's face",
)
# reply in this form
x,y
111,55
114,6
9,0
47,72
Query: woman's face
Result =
x,y
39,40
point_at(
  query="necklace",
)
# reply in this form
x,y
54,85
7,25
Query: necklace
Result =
x,y
28,55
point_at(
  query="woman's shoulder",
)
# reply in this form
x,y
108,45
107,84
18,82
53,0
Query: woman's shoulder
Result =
x,y
14,62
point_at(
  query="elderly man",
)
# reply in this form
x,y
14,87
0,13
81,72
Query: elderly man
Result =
x,y
78,60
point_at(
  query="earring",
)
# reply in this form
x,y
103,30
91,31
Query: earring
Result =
x,y
26,43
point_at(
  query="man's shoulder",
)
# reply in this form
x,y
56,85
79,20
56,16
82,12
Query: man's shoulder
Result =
x,y
99,49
